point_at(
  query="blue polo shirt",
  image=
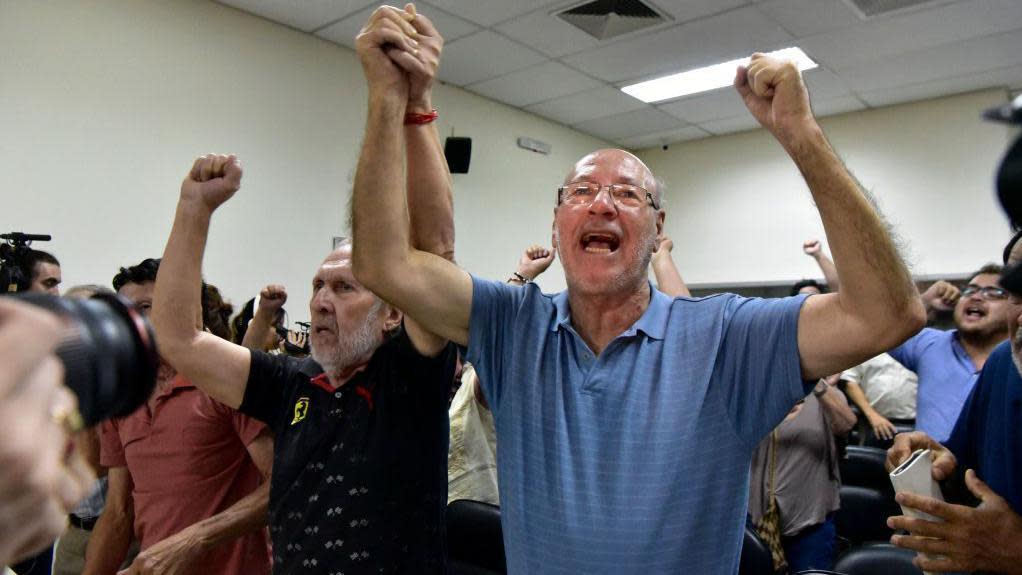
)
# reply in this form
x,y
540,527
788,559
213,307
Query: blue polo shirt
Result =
x,y
946,376
635,461
988,435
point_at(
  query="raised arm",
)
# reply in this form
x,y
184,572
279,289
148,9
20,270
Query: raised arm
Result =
x,y
813,249
427,288
215,365
878,306
534,261
668,278
271,299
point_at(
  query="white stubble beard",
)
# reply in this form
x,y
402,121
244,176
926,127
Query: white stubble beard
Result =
x,y
355,348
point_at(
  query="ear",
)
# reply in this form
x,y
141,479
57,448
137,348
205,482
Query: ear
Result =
x,y
660,217
553,233
392,318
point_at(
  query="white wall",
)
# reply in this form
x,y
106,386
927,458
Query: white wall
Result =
x,y
104,105
739,210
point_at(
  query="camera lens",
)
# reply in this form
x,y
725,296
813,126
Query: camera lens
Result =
x,y
108,351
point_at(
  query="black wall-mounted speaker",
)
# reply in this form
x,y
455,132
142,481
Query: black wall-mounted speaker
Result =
x,y
458,152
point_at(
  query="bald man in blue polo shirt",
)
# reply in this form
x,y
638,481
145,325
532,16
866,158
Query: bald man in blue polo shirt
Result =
x,y
626,419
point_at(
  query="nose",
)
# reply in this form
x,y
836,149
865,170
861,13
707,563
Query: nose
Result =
x,y
320,303
603,203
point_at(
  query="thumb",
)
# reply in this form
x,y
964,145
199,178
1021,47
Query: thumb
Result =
x,y
978,488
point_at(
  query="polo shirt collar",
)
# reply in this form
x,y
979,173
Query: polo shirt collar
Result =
x,y
653,321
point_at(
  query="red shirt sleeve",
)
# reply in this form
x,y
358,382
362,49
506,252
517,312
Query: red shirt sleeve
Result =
x,y
248,428
111,450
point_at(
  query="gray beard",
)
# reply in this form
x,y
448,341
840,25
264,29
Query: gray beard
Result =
x,y
356,348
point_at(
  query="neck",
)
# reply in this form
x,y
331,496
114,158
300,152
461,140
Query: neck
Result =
x,y
344,375
599,318
979,346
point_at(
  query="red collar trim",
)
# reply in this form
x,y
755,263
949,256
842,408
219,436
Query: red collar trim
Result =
x,y
323,382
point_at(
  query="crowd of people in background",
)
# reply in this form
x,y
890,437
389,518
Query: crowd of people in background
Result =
x,y
621,425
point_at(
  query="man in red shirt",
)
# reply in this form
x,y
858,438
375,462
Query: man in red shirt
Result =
x,y
188,476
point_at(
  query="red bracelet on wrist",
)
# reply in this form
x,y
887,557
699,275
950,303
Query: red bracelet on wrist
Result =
x,y
413,119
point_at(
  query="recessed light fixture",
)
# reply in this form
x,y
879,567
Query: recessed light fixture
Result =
x,y
706,79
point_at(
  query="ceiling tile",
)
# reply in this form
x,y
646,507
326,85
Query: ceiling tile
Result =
x,y
344,32
824,84
305,15
692,9
840,105
1009,77
808,17
490,12
663,138
962,58
723,103
634,123
484,55
719,38
547,33
531,85
586,105
731,125
918,30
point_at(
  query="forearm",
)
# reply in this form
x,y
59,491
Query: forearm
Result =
x,y
668,278
258,331
380,220
858,397
829,271
842,418
109,542
430,202
247,514
875,284
177,299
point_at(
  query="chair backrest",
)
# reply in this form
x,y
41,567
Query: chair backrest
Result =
x,y
475,541
878,558
756,558
863,514
864,467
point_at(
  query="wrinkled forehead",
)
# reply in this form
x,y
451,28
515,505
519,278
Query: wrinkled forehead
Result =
x,y
336,264
612,166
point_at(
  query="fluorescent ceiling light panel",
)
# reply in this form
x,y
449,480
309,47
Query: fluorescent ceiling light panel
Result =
x,y
706,79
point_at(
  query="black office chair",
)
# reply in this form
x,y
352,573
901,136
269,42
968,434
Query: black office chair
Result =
x,y
475,541
876,558
864,467
756,558
863,514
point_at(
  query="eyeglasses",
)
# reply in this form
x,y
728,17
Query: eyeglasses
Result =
x,y
624,195
987,293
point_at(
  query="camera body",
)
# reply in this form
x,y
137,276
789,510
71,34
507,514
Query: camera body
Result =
x,y
15,276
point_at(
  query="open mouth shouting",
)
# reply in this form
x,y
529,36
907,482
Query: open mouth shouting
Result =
x,y
975,312
600,242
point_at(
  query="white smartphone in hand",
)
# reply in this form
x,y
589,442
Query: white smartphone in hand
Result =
x,y
915,475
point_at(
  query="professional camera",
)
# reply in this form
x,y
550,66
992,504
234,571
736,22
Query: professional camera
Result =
x,y
14,253
108,351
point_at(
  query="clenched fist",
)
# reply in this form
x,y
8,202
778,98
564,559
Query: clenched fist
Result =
x,y
213,179
773,92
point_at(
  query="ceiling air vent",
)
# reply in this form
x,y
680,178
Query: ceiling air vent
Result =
x,y
870,8
604,19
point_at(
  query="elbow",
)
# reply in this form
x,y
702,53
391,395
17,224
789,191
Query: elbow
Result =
x,y
908,323
172,340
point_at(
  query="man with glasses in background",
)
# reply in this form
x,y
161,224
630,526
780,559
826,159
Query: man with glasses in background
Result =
x,y
948,362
